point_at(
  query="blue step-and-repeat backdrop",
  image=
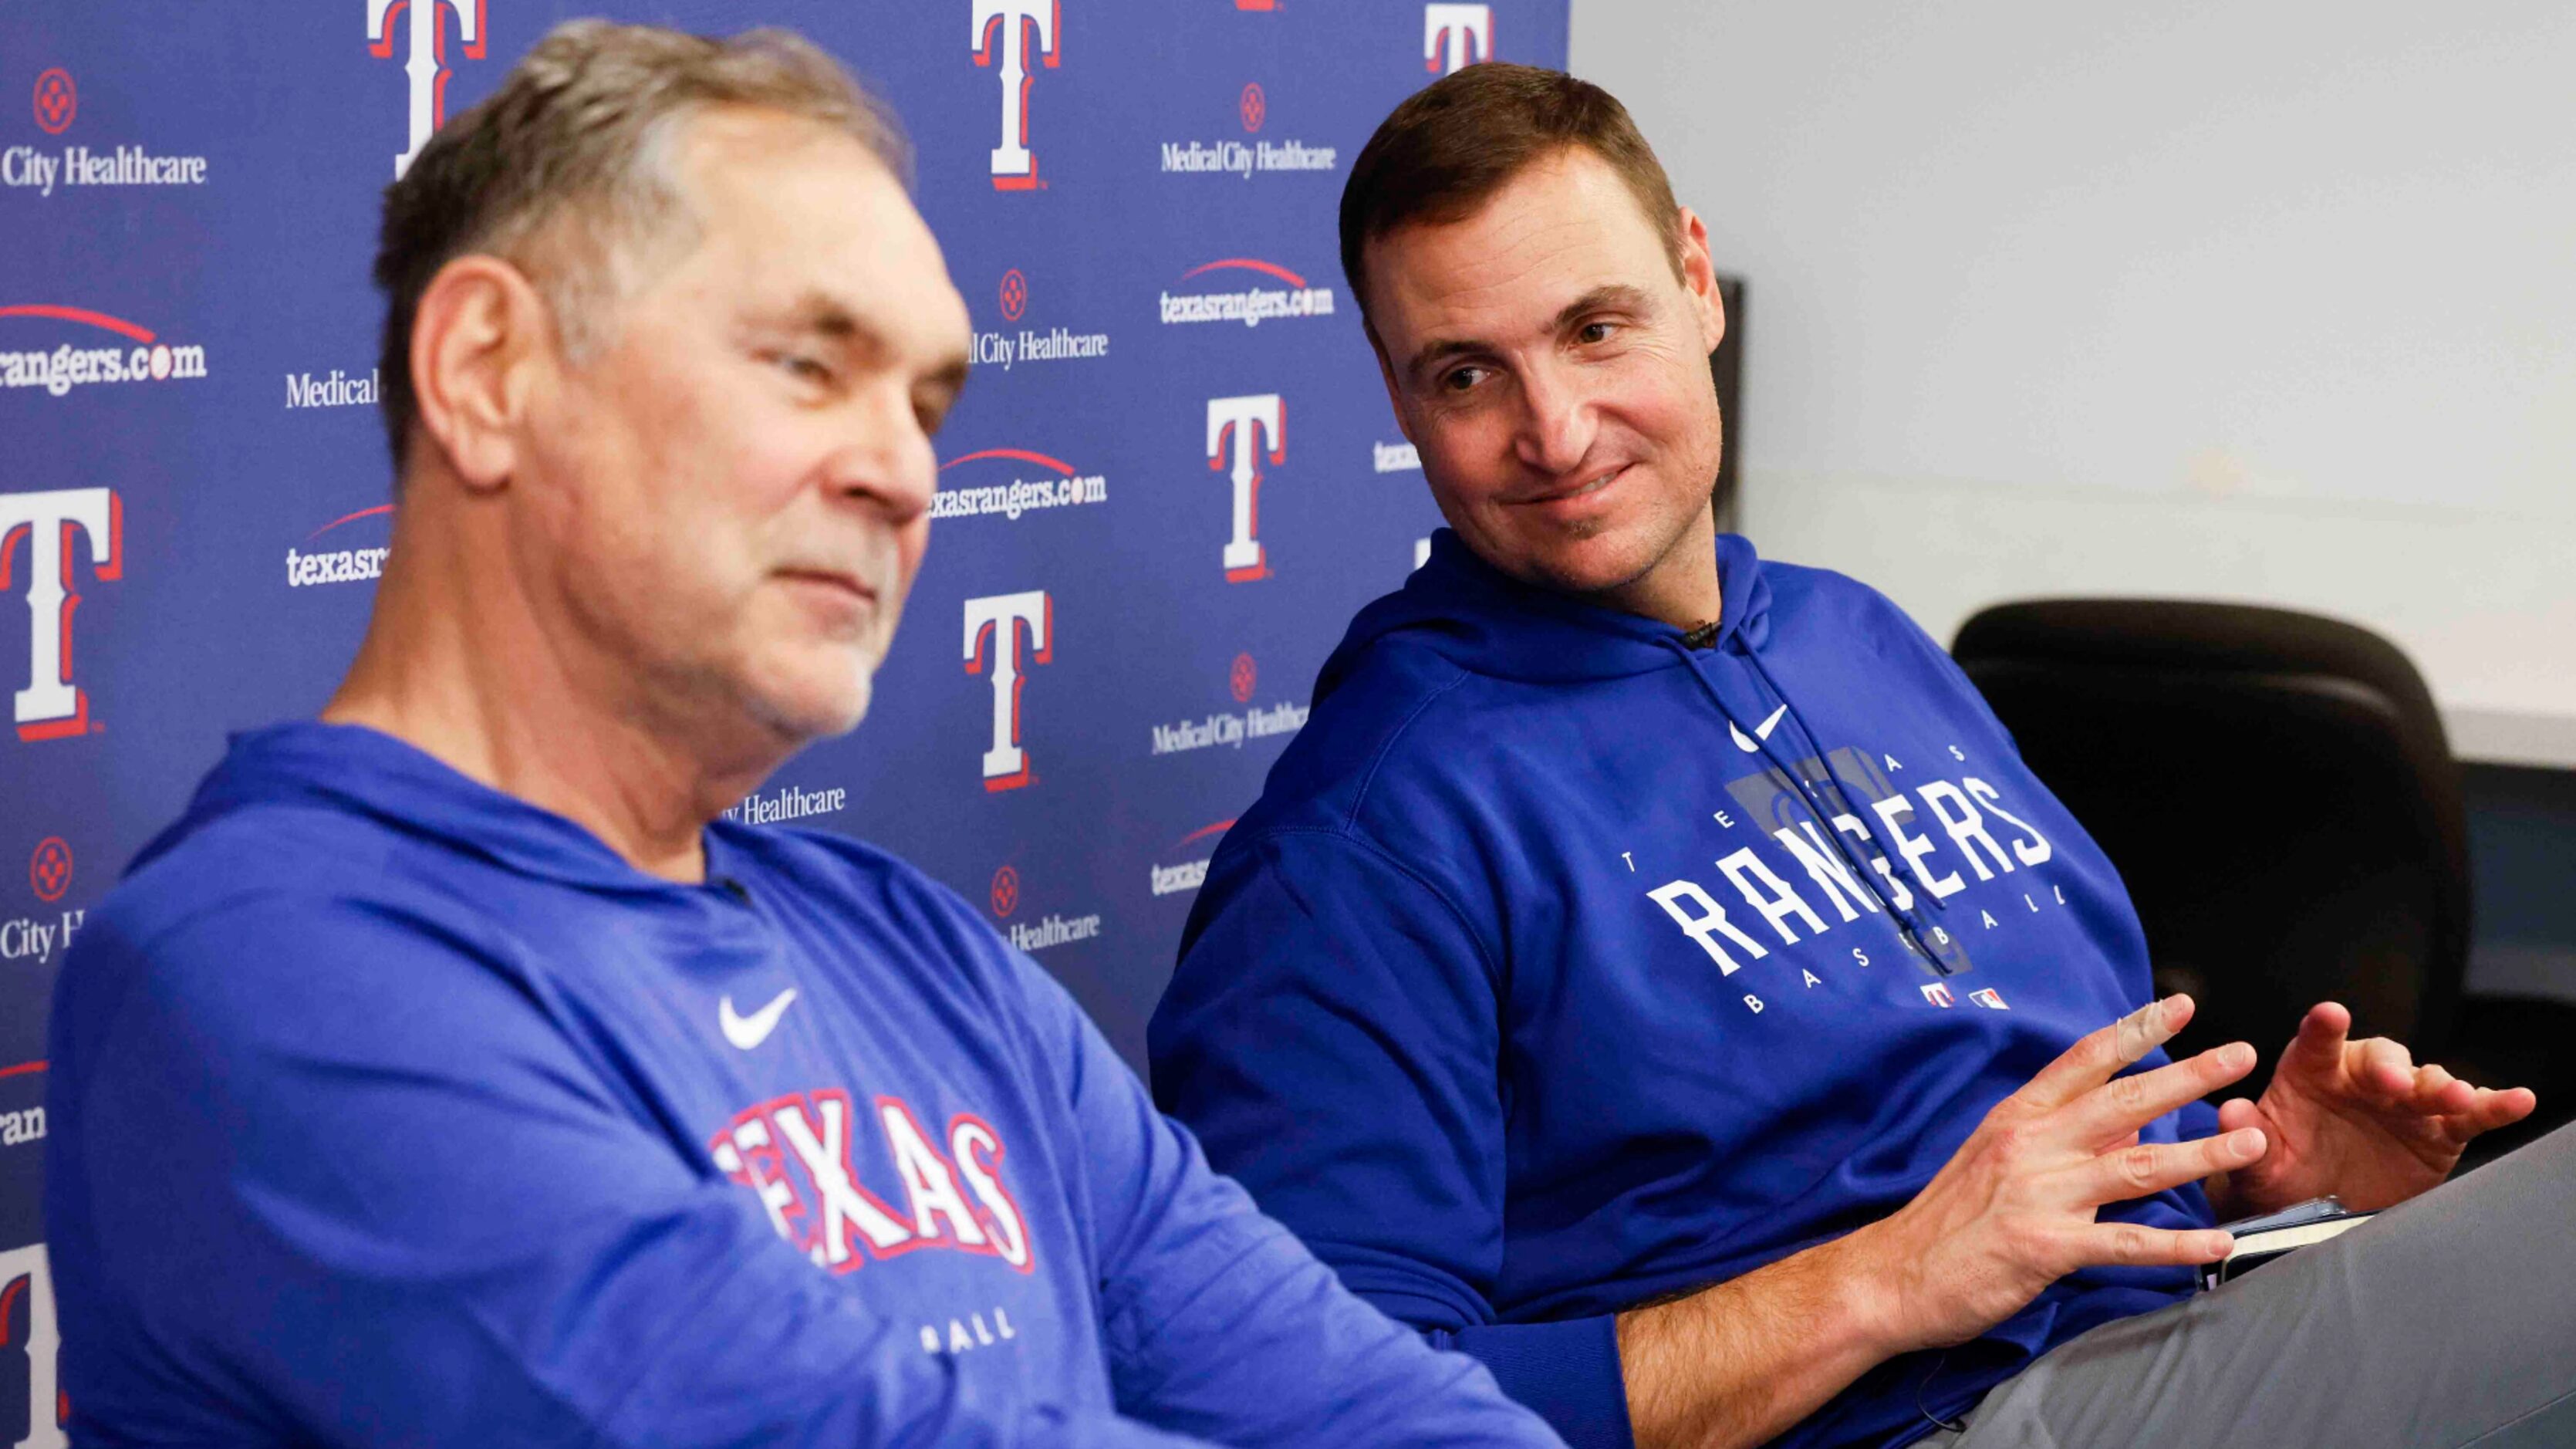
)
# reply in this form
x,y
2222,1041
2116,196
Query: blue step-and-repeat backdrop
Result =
x,y
1171,482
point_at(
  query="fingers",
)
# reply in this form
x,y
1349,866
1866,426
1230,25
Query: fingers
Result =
x,y
2380,1067
2127,1103
2128,1244
2435,1092
2100,1053
2152,1167
2318,1045
2326,1025
2501,1109
2384,1068
2238,1112
2489,1110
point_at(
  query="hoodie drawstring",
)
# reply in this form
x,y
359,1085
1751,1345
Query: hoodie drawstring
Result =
x,y
1916,930
1842,787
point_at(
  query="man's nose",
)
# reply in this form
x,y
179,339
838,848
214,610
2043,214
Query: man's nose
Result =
x,y
884,458
1557,421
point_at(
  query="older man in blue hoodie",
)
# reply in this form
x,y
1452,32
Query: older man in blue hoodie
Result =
x,y
453,1073
1654,971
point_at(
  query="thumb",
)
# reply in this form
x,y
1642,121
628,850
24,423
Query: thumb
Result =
x,y
2319,1044
2235,1115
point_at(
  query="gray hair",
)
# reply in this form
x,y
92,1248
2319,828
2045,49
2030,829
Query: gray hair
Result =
x,y
564,171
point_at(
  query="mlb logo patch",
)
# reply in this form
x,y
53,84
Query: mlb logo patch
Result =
x,y
1990,999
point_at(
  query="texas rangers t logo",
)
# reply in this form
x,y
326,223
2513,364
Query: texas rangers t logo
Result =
x,y
24,1270
1456,36
427,65
1244,418
1015,168
999,619
51,707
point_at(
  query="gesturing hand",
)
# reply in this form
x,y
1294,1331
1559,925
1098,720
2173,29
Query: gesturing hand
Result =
x,y
2013,1210
2358,1119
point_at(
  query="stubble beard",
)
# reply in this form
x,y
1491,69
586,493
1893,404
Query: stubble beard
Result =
x,y
1657,550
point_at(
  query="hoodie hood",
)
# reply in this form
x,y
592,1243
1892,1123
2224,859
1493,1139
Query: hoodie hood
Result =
x,y
355,768
1488,623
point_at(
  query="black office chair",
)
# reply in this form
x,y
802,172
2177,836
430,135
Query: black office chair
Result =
x,y
2277,793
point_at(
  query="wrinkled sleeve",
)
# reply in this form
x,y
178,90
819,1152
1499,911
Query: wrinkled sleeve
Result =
x,y
333,1176
1333,1035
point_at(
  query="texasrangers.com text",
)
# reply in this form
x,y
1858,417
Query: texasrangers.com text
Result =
x,y
67,367
1019,496
1248,307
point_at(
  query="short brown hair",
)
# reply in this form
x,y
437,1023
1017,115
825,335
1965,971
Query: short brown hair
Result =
x,y
564,170
1453,144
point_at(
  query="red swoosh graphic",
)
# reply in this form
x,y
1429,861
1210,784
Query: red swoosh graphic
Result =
x,y
21,1069
1204,831
80,314
1249,265
348,518
1023,454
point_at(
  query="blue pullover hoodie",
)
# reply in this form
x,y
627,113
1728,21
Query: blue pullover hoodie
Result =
x,y
390,1109
1571,961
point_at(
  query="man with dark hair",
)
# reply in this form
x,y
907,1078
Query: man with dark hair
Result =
x,y
1653,969
451,1073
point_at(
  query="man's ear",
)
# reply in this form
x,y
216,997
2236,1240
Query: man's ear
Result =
x,y
1699,278
1386,374
479,339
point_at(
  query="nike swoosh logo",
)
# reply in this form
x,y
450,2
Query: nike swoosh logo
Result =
x,y
1761,731
750,1031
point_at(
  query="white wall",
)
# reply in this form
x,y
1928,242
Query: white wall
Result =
x,y
2261,301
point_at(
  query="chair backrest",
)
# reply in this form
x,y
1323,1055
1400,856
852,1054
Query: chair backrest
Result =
x,y
2275,790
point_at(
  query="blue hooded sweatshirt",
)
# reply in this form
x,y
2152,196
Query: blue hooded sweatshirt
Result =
x,y
1570,961
390,1109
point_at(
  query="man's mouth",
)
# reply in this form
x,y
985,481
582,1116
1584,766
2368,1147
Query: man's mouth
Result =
x,y
836,591
1584,488
857,588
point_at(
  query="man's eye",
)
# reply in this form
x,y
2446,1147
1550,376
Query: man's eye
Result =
x,y
803,368
1597,331
1461,379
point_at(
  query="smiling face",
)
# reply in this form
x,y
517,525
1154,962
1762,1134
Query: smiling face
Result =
x,y
730,500
1553,373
